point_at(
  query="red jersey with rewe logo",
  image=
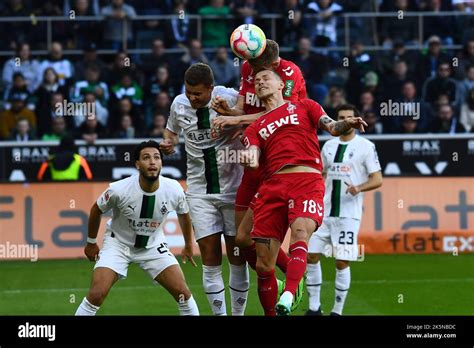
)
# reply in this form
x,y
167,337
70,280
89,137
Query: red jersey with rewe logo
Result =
x,y
294,90
287,135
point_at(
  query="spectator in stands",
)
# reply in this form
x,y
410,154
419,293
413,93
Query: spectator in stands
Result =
x,y
9,118
50,111
248,11
334,99
360,62
441,26
466,60
226,73
99,112
90,130
13,32
428,62
446,121
20,89
126,130
65,164
314,67
392,86
397,53
158,127
127,87
215,32
323,30
126,107
58,129
467,84
394,28
91,84
290,25
180,29
24,64
467,112
410,97
409,126
22,131
89,58
373,122
156,59
116,13
371,84
159,82
464,25
367,101
62,66
442,83
121,64
161,105
193,55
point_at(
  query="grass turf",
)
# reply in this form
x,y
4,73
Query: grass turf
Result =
x,y
381,285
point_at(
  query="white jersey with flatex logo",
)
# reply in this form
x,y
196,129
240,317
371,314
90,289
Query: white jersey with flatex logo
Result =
x,y
138,216
212,162
348,162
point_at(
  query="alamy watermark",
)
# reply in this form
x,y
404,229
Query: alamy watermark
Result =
x,y
229,155
68,108
19,251
393,108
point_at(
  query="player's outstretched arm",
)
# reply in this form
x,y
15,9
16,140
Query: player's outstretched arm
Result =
x,y
92,250
337,128
220,105
169,141
186,227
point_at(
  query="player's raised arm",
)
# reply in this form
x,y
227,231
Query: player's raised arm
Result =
x,y
186,227
337,128
170,140
92,250
220,105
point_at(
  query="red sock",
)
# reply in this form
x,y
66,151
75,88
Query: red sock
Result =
x,y
282,260
296,266
268,291
250,255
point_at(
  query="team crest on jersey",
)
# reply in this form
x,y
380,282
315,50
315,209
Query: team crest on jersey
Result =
x,y
291,108
250,79
163,209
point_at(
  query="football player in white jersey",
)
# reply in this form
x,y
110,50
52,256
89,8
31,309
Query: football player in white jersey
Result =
x,y
350,167
213,177
140,205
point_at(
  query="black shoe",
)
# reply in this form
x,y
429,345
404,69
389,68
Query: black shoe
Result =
x,y
334,314
319,312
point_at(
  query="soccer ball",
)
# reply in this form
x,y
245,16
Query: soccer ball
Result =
x,y
248,41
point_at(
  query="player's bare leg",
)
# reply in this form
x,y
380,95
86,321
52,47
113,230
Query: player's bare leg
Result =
x,y
343,282
172,279
267,252
314,280
102,281
301,230
211,254
244,221
238,276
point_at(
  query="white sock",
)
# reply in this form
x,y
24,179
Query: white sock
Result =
x,y
239,288
214,288
86,308
188,307
314,279
343,282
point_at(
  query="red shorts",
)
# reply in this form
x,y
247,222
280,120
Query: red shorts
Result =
x,y
285,197
247,189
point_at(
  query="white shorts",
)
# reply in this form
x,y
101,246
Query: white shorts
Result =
x,y
117,256
212,214
336,237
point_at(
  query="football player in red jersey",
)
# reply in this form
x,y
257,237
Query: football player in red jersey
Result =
x,y
292,189
248,109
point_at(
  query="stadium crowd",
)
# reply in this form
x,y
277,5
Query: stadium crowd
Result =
x,y
132,94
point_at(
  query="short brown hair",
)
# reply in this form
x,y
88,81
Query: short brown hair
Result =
x,y
347,107
269,56
199,73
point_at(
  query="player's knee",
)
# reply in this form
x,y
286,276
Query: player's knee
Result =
x,y
341,264
97,295
299,234
263,266
313,258
182,294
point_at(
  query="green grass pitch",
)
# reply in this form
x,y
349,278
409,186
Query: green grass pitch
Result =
x,y
381,285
